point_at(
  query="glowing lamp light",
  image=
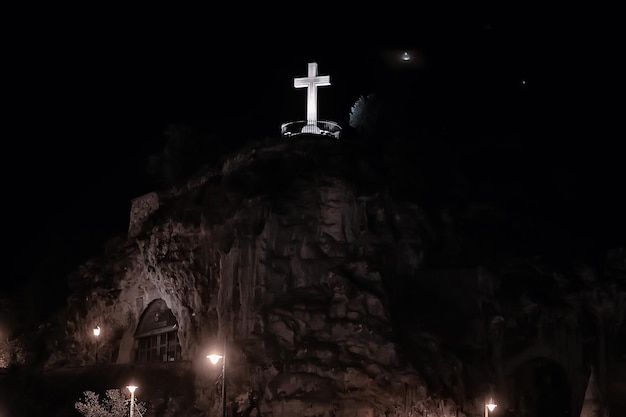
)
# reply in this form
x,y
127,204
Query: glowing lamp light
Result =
x,y
489,407
96,333
406,56
132,389
214,358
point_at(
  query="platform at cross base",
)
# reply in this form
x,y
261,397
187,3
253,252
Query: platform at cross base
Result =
x,y
302,127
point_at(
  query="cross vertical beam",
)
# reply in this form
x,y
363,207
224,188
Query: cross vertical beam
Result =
x,y
311,82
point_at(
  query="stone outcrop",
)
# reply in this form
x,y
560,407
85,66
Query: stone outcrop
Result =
x,y
340,290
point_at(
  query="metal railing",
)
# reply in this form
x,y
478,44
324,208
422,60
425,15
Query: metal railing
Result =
x,y
303,127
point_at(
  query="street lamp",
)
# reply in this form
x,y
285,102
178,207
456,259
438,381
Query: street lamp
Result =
x,y
132,389
490,406
214,358
96,333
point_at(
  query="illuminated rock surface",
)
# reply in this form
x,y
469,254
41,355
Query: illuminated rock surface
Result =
x,y
343,287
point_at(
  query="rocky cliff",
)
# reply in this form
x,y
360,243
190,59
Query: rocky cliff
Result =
x,y
346,282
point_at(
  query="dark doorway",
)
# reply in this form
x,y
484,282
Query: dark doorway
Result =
x,y
542,389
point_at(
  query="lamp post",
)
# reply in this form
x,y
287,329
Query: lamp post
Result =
x,y
214,358
96,333
132,389
490,406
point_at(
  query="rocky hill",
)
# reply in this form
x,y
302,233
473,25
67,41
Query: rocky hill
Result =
x,y
347,278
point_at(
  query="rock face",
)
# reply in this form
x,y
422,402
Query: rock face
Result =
x,y
284,253
338,292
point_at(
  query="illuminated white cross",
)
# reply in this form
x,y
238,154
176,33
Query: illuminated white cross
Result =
x,y
311,82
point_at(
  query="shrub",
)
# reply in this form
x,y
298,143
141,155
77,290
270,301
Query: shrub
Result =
x,y
115,404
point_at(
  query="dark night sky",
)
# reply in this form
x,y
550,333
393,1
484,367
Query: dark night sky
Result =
x,y
89,100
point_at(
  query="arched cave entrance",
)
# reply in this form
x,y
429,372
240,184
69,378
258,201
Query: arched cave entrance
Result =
x,y
542,389
156,337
